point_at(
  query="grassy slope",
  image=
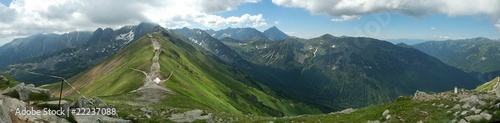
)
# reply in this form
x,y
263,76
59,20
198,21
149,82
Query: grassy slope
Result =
x,y
199,81
488,87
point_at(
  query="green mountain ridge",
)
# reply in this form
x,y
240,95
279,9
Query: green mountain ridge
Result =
x,y
198,81
329,71
478,56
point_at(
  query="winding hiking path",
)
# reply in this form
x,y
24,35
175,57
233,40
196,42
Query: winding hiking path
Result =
x,y
154,71
152,92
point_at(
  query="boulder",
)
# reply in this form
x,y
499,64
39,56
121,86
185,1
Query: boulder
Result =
x,y
27,92
385,113
486,116
462,121
456,107
388,117
466,105
421,96
474,118
190,116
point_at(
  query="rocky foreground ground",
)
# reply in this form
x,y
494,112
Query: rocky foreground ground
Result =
x,y
459,106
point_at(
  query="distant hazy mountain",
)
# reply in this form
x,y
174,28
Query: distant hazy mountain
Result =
x,y
341,72
238,33
406,41
38,45
476,55
101,44
274,33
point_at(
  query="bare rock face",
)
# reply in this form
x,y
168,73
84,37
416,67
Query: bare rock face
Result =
x,y
3,79
421,96
4,112
27,92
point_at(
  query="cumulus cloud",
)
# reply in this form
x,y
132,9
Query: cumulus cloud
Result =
x,y
416,8
26,17
498,26
346,18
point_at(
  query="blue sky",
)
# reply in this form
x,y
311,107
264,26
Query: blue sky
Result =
x,y
433,27
383,19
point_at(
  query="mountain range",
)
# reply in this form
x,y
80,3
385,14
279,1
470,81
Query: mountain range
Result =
x,y
477,56
329,71
242,71
59,58
241,34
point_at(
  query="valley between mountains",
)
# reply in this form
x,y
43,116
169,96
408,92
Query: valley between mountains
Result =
x,y
152,74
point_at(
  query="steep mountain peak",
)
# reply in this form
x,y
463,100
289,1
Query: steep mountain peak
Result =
x,y
274,33
326,36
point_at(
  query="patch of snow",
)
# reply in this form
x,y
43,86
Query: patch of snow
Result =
x,y
193,40
333,46
334,67
483,58
225,35
314,53
128,37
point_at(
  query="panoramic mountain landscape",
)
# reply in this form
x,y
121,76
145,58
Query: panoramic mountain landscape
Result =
x,y
249,61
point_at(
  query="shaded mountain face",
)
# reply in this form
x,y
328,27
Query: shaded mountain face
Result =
x,y
340,72
70,61
238,34
38,45
274,33
478,56
197,79
210,44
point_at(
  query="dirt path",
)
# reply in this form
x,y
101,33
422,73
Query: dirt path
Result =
x,y
152,92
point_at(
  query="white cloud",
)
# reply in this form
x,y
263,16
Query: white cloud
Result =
x,y
26,17
416,8
290,33
433,28
498,26
441,37
346,18
276,23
